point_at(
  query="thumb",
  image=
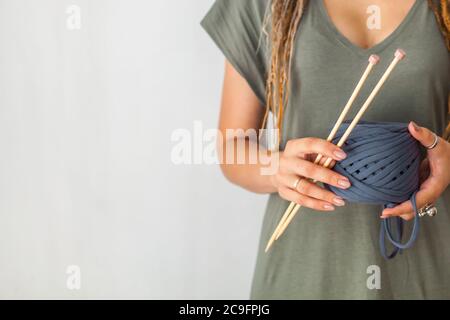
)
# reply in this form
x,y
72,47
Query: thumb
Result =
x,y
423,135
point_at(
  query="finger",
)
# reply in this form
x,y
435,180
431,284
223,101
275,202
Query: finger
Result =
x,y
310,189
422,134
403,211
422,198
424,171
408,216
305,201
399,210
324,159
307,169
315,145
313,158
289,181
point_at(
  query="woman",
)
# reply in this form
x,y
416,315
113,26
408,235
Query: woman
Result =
x,y
314,54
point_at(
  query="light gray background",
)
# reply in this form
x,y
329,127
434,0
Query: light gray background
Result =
x,y
86,179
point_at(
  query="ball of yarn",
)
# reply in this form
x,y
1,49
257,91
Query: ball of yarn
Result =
x,y
383,167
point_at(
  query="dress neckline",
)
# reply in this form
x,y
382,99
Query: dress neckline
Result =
x,y
378,47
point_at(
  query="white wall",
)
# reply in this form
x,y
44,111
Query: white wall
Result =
x,y
86,177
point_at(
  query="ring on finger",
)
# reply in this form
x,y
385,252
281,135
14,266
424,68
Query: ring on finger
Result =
x,y
428,210
435,143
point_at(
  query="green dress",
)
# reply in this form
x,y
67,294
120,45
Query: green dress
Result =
x,y
336,255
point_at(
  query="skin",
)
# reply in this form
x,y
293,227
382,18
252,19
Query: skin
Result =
x,y
241,109
350,18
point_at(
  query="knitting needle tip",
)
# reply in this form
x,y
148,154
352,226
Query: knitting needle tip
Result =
x,y
374,59
400,54
269,245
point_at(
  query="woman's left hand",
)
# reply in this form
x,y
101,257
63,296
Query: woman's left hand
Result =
x,y
434,174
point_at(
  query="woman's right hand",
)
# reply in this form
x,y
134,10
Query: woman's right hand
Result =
x,y
297,161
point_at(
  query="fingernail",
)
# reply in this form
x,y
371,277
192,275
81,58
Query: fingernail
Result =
x,y
416,127
339,201
328,207
344,183
340,154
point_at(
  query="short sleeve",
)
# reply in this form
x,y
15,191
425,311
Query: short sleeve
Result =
x,y
236,28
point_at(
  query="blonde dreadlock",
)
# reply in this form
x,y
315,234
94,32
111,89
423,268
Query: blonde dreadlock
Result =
x,y
442,14
284,17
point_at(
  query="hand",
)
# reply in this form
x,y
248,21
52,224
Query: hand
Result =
x,y
297,161
434,174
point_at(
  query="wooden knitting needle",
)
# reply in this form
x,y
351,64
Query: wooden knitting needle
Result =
x,y
399,55
373,60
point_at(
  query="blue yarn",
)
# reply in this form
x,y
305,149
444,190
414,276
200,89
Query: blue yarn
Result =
x,y
383,167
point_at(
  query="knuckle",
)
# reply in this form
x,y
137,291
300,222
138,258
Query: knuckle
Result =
x,y
312,171
310,144
408,217
329,196
318,144
334,178
313,204
327,145
299,200
394,214
308,141
293,145
289,144
306,188
322,175
307,203
282,193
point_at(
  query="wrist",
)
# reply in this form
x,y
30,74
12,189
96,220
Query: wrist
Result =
x,y
274,167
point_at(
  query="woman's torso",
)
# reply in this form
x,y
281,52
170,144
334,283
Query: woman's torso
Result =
x,y
326,255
